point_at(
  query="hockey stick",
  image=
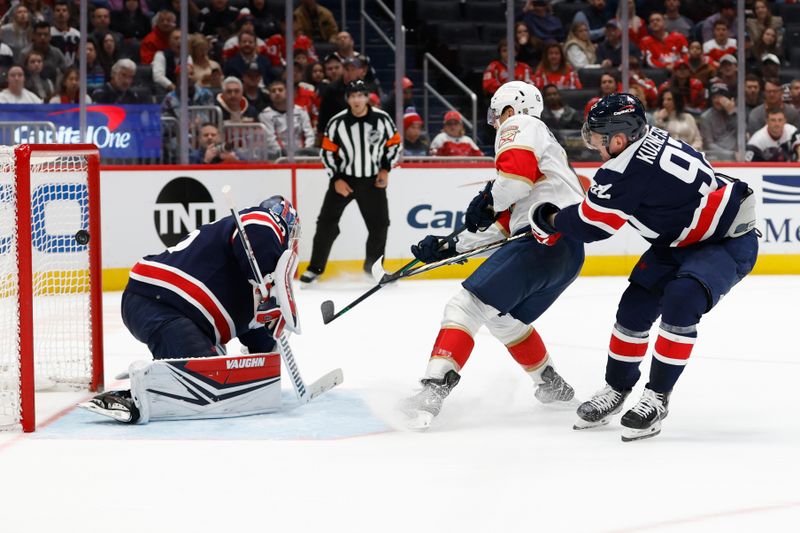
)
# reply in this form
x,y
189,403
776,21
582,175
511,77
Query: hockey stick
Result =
x,y
327,308
326,382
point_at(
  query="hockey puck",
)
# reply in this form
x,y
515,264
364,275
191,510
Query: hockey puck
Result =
x,y
82,237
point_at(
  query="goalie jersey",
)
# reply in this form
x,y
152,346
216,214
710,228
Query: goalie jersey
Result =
x,y
662,187
208,278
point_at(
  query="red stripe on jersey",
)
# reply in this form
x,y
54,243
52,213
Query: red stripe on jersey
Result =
x,y
609,219
673,349
706,217
455,344
189,287
233,370
518,162
505,221
261,218
627,349
530,351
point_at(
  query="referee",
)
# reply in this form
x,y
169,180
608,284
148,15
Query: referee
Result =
x,y
359,148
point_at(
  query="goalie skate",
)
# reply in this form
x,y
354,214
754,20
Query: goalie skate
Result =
x,y
423,407
118,405
553,388
644,419
600,408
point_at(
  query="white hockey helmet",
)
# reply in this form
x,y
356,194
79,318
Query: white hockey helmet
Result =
x,y
523,97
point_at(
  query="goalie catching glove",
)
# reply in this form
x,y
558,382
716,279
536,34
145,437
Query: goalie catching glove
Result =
x,y
542,230
480,214
432,249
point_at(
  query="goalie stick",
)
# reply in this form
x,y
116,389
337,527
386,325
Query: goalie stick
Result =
x,y
323,384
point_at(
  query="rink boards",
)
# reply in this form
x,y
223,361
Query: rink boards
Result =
x,y
147,209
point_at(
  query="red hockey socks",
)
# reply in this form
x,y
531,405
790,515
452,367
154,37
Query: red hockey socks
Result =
x,y
453,344
529,351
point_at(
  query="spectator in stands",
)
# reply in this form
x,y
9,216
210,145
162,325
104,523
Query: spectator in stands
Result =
x,y
608,85
496,73
408,98
305,95
357,68
692,90
415,142
763,19
234,106
17,33
727,13
542,24
174,6
777,141
316,21
198,96
452,141
130,21
101,24
698,64
609,51
554,69
166,62
594,17
674,21
768,44
637,29
245,23
581,51
54,62
274,119
214,80
118,89
237,65
251,87
16,93
556,114
728,72
334,68
212,150
752,93
39,11
770,66
637,77
773,100
218,19
314,75
39,85
720,45
527,52
639,92
345,49
95,73
333,97
662,49
794,93
69,88
718,125
64,37
107,53
6,58
301,58
198,56
158,38
265,24
670,116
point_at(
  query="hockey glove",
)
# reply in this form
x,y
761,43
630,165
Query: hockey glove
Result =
x,y
269,314
433,248
480,213
542,230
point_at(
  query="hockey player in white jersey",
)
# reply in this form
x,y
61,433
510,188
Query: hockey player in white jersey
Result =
x,y
519,281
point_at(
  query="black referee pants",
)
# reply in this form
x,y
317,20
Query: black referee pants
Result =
x,y
374,209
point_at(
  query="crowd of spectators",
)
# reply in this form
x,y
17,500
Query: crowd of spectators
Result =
x,y
682,58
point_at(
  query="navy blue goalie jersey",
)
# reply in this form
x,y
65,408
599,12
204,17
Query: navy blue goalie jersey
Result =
x,y
662,187
207,276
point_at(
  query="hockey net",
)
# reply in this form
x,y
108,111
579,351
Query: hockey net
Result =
x,y
50,287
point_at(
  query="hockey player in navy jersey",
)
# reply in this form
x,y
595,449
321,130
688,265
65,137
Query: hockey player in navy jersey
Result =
x,y
193,298
519,281
700,226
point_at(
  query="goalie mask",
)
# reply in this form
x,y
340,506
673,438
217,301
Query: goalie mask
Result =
x,y
523,97
288,217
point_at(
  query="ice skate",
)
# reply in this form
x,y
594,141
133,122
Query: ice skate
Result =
x,y
553,388
118,405
423,407
308,278
644,419
603,405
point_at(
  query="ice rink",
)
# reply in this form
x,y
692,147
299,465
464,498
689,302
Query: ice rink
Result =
x,y
495,460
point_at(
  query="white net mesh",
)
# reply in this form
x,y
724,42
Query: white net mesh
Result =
x,y
9,316
62,325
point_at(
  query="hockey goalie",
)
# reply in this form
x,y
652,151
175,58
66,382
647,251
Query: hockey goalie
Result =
x,y
187,302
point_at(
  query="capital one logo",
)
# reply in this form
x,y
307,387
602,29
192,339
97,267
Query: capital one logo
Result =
x,y
105,136
182,206
783,190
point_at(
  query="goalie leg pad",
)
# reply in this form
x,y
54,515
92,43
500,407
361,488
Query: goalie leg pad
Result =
x,y
210,387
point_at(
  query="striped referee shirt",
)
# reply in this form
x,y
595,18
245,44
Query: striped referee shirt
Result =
x,y
359,147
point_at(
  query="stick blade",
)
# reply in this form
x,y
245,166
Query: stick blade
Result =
x,y
378,273
328,313
324,384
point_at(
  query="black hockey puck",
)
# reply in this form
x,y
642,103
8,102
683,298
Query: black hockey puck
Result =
x,y
82,237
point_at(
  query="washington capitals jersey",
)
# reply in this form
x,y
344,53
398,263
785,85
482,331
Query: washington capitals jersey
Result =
x,y
207,276
662,187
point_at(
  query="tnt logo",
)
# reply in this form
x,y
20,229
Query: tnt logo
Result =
x,y
182,206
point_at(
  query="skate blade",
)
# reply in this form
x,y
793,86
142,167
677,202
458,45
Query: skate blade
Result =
x,y
585,424
421,421
116,414
630,434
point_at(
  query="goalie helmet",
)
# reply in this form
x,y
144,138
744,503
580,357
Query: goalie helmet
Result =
x,y
286,213
523,97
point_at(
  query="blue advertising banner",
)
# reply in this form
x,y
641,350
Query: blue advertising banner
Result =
x,y
120,131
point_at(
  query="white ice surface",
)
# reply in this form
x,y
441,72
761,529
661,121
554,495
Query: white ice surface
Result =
x,y
727,458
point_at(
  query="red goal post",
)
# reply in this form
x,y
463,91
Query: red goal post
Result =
x,y
51,331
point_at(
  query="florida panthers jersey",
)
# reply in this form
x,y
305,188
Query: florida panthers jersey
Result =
x,y
664,188
207,276
531,168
